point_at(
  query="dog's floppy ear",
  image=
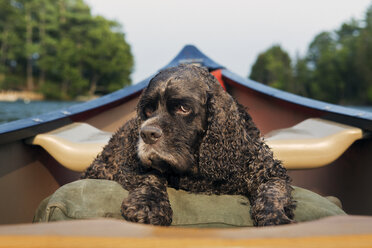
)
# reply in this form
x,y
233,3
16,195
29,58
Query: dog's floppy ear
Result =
x,y
121,149
229,135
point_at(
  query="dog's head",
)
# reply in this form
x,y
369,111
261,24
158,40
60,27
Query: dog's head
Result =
x,y
188,123
173,117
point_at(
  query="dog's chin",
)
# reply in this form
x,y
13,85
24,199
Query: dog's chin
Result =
x,y
155,161
163,162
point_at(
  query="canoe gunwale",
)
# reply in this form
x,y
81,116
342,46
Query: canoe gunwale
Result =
x,y
29,127
328,111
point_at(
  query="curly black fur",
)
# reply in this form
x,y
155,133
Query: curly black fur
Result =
x,y
190,134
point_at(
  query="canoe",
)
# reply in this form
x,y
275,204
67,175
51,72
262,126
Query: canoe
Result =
x,y
325,147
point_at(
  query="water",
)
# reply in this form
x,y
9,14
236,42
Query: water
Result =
x,y
11,111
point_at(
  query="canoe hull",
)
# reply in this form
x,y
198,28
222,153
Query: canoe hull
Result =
x,y
28,173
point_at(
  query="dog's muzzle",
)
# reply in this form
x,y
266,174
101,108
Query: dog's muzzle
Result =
x,y
150,134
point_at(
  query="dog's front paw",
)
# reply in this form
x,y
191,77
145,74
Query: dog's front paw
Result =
x,y
143,209
271,218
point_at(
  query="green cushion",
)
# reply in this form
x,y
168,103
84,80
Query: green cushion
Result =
x,y
93,198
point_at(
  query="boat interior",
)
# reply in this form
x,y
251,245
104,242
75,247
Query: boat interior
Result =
x,y
317,160
322,151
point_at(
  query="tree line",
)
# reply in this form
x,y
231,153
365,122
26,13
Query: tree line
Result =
x,y
337,67
58,48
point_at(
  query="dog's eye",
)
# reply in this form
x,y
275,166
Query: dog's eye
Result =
x,y
148,111
181,109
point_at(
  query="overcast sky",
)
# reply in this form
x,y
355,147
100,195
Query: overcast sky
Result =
x,y
231,32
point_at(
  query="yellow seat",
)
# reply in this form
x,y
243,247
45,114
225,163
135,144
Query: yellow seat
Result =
x,y
312,143
309,144
75,145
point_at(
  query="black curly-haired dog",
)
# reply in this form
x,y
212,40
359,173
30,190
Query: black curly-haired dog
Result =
x,y
190,134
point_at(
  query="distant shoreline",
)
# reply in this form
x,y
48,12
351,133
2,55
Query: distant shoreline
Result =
x,y
12,96
27,96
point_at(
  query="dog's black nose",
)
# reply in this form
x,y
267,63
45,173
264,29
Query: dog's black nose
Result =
x,y
150,134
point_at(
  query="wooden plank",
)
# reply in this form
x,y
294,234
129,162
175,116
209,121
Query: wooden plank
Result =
x,y
63,241
337,231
